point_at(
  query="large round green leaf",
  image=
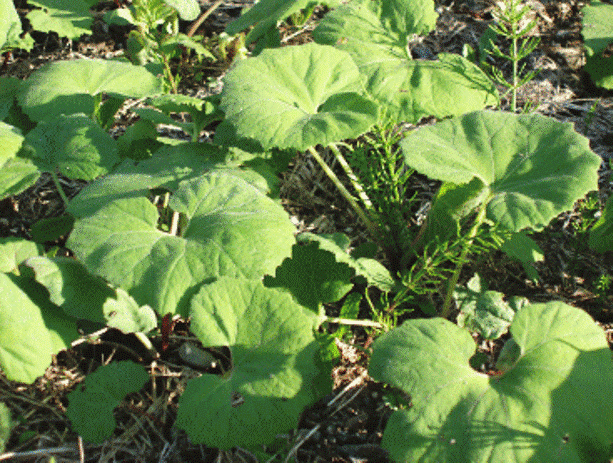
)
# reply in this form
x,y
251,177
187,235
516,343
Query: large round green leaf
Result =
x,y
551,403
229,228
68,87
376,35
276,365
75,145
531,167
31,329
297,97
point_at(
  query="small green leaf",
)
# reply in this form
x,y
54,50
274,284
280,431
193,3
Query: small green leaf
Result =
x,y
231,228
532,167
601,234
523,249
13,251
17,175
10,29
69,87
297,97
482,311
75,145
188,9
276,366
536,410
313,276
69,18
31,329
91,405
374,272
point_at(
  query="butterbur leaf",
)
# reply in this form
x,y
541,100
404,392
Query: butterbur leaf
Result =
x,y
10,27
376,35
596,31
482,311
52,228
11,140
373,271
525,250
313,276
69,87
13,251
230,228
297,97
531,167
16,175
277,368
88,297
31,329
91,404
69,18
535,410
75,145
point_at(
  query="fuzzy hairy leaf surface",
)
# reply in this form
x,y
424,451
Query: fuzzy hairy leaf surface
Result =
x,y
68,87
277,368
376,34
32,329
297,97
91,405
531,167
230,228
536,410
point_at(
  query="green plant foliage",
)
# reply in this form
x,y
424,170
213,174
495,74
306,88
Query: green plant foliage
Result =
x,y
277,368
69,87
5,425
188,10
372,270
82,295
164,170
9,87
266,14
531,167
102,391
10,29
537,410
597,27
485,312
313,276
69,18
13,251
229,228
523,249
376,34
31,329
11,140
75,145
601,234
52,228
297,97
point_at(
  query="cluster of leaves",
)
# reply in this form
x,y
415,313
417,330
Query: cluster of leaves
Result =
x,y
229,235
